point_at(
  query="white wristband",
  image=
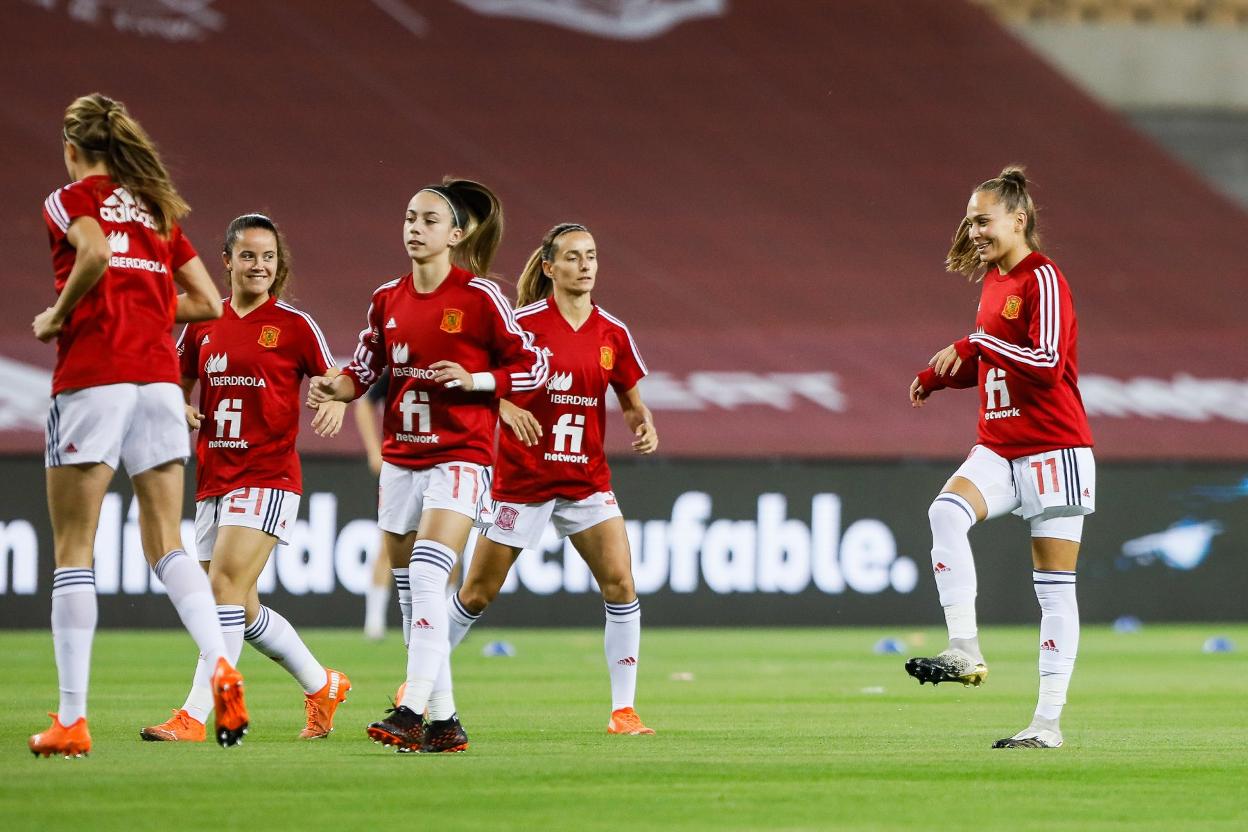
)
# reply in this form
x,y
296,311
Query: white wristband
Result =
x,y
483,382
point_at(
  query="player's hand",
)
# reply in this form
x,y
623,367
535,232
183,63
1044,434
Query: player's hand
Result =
x,y
918,396
322,389
449,374
946,362
328,419
647,440
193,417
47,324
522,423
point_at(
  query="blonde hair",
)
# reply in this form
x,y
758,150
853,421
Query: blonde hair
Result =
x,y
1010,189
102,129
533,284
476,210
238,225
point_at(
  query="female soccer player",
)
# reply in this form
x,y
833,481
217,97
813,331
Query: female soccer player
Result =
x,y
453,348
1034,451
555,469
249,366
117,251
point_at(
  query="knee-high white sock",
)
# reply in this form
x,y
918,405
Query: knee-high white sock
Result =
x,y
951,518
428,645
274,636
199,699
232,618
74,615
404,589
375,600
191,595
622,642
461,619
1059,638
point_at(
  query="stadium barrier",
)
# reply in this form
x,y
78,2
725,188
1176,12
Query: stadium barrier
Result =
x,y
714,543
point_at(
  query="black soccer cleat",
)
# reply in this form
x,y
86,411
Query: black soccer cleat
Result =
x,y
445,736
952,665
402,728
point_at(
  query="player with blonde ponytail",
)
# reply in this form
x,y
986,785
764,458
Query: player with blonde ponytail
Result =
x,y
1033,456
119,255
452,348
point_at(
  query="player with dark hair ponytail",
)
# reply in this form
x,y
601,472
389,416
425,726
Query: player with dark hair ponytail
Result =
x,y
1034,451
452,348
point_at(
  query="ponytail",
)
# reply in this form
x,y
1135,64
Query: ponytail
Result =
x,y
281,278
1010,189
102,129
476,210
533,284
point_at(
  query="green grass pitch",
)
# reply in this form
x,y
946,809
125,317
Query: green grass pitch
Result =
x,y
757,729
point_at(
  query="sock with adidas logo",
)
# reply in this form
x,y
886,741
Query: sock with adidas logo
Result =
x,y
951,518
276,638
75,612
622,643
1059,638
429,643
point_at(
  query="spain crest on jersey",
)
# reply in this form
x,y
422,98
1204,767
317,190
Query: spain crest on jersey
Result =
x,y
268,336
606,357
452,320
1013,305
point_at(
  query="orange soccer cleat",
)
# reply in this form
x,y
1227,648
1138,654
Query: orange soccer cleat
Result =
x,y
74,741
626,721
181,727
227,699
320,706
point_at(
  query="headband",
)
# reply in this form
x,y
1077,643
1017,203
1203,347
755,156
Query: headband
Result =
x,y
447,199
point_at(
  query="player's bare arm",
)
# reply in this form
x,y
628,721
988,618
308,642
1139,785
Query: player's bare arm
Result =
x,y
200,300
90,263
522,423
640,421
326,389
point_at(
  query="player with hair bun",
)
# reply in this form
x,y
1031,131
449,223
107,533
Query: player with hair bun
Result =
x,y
452,347
249,366
119,256
554,467
1033,456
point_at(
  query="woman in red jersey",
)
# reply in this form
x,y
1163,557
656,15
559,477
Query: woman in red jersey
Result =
x,y
555,469
1034,451
119,256
452,347
249,365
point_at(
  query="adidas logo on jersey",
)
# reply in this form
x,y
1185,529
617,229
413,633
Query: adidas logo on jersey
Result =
x,y
118,242
559,381
121,207
204,342
390,324
216,363
398,354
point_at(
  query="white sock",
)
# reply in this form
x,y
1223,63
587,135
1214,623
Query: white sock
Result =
x,y
428,645
376,598
404,589
274,636
1059,638
232,618
74,615
951,518
622,641
191,594
199,700
460,618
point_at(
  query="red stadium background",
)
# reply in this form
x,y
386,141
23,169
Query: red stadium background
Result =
x,y
772,200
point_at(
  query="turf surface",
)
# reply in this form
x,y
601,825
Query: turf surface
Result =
x,y
757,729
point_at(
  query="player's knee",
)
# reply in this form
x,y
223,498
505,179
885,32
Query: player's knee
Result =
x,y
476,596
227,589
949,515
618,589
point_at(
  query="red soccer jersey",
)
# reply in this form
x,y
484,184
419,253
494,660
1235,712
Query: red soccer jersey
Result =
x,y
119,331
1026,347
250,370
569,461
465,320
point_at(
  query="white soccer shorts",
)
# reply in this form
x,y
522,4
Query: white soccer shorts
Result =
x,y
138,425
521,524
1016,487
269,510
403,494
